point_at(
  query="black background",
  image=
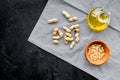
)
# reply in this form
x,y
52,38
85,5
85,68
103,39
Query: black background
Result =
x,y
21,60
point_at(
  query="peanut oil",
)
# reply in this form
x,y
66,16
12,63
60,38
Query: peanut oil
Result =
x,y
98,19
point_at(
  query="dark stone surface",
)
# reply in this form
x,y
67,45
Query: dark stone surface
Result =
x,y
21,60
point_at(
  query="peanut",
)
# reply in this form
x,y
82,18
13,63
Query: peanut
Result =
x,y
77,39
53,20
66,14
54,33
77,26
56,37
69,39
76,34
55,29
75,18
68,34
66,29
72,27
60,33
72,19
76,30
55,41
72,44
66,42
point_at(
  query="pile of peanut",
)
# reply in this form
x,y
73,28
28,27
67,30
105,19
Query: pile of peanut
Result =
x,y
68,37
96,52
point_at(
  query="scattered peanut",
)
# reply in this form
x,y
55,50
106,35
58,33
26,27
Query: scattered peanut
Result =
x,y
56,37
73,19
68,34
72,44
69,39
66,29
66,14
72,27
76,34
55,29
77,39
54,33
60,33
65,41
55,41
76,30
53,20
77,26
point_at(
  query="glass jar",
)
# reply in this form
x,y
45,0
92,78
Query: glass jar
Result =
x,y
98,19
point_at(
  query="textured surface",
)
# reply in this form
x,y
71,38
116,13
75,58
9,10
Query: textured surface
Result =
x,y
21,60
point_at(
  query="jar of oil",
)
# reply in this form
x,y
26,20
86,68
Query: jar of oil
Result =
x,y
98,19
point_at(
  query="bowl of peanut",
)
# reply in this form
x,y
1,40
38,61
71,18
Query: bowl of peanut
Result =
x,y
97,52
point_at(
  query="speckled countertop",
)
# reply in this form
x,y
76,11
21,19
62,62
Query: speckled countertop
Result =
x,y
21,60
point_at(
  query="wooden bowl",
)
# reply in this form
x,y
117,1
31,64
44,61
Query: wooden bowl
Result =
x,y
106,56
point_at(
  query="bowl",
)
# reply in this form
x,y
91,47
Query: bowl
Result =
x,y
99,61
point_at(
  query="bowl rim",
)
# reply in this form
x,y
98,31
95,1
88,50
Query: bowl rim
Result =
x,y
91,42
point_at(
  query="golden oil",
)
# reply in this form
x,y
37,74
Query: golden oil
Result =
x,y
98,19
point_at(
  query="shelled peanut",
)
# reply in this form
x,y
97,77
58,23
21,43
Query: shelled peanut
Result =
x,y
56,35
96,52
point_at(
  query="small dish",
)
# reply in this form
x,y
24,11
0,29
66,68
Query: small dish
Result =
x,y
103,59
